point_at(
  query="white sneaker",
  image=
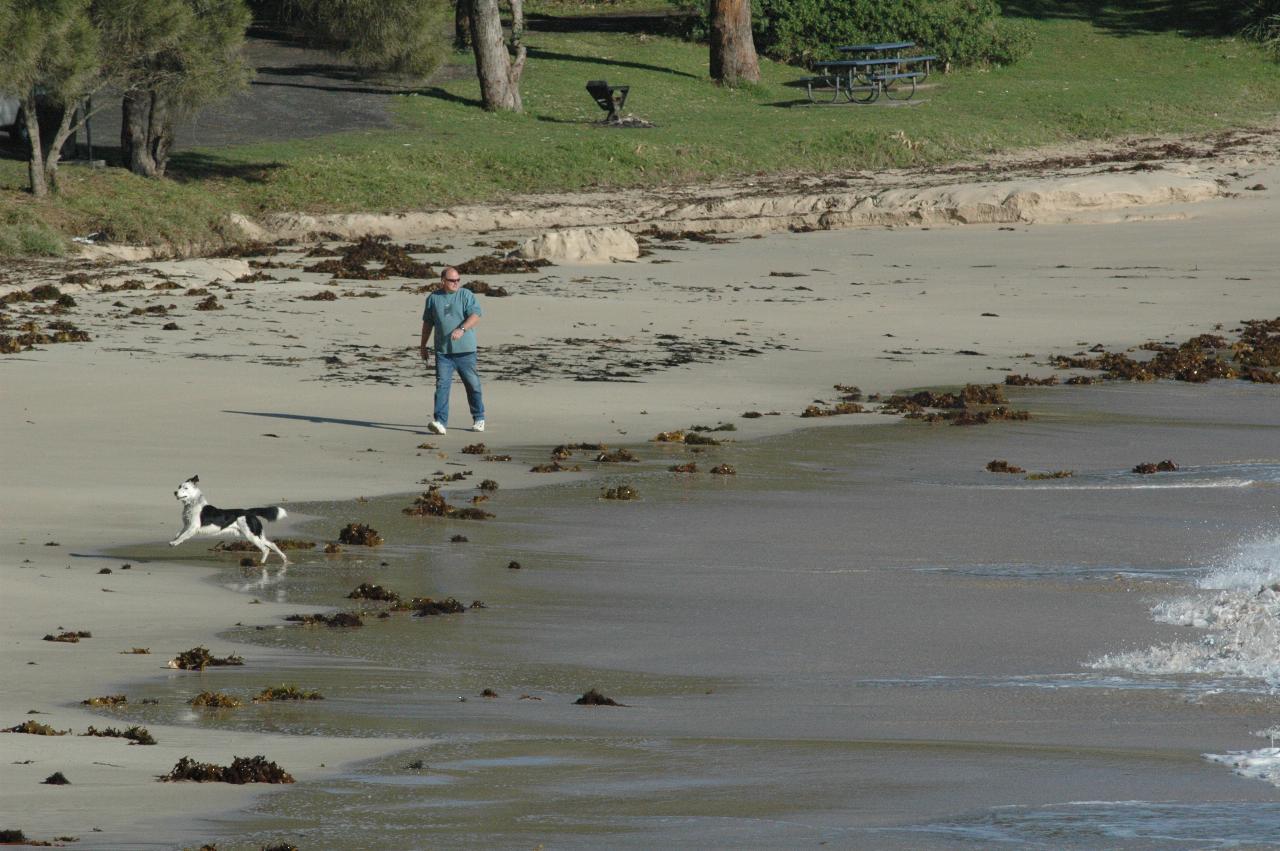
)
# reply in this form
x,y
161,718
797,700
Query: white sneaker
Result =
x,y
478,425
436,427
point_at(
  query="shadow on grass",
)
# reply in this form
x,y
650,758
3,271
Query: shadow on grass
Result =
x,y
194,166
652,23
536,53
1136,17
441,94
307,418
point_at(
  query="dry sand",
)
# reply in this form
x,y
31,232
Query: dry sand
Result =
x,y
279,400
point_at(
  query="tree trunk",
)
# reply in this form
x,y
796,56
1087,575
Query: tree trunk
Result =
x,y
461,24
146,133
35,163
733,52
499,76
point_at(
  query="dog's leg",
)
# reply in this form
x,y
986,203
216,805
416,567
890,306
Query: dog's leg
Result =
x,y
260,541
283,558
184,535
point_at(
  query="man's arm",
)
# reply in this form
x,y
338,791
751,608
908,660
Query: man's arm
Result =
x,y
467,324
426,338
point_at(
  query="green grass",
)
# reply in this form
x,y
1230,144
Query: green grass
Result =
x,y
1081,81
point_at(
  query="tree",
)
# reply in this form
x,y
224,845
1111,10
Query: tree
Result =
x,y
51,48
180,54
498,70
733,52
403,37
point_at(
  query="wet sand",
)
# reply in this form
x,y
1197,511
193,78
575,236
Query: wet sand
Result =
x,y
856,633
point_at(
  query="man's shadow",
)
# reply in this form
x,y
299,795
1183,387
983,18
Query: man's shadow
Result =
x,y
411,429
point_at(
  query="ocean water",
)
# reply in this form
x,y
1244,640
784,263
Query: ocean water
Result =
x,y
863,639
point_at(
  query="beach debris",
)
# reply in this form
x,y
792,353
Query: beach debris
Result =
x,y
485,288
617,456
696,439
513,565
492,264
323,295
352,261
16,837
332,548
255,769
475,449
1261,376
136,735
210,303
246,547
368,591
360,534
471,514
622,492
835,410
555,467
285,692
496,458
35,728
106,700
70,636
490,693
719,427
136,651
430,503
56,779
216,700
1027,381
1147,468
669,436
426,607
752,415
1000,466
460,539
199,658
104,570
595,698
689,467
1077,380
1056,474
488,485
724,470
337,619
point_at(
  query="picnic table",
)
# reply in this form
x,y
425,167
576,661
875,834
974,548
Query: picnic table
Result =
x,y
871,73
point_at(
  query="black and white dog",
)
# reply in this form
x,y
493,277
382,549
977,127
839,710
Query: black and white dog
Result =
x,y
201,518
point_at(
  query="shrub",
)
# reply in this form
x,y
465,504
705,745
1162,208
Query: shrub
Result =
x,y
962,32
1260,22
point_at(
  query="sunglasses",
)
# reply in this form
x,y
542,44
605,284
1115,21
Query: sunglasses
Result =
x,y
452,280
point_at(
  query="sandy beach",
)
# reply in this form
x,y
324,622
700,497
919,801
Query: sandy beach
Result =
x,y
276,398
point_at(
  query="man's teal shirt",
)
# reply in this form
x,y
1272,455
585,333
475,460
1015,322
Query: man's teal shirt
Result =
x,y
446,311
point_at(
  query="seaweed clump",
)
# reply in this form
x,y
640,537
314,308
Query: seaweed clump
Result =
x,y
617,456
199,658
242,769
835,410
70,636
136,735
689,467
1028,381
359,533
1001,466
337,619
433,504
426,607
488,485
622,492
595,698
1147,468
475,449
216,700
724,470
56,779
352,261
369,591
494,265
285,692
486,288
106,700
1056,474
555,467
35,728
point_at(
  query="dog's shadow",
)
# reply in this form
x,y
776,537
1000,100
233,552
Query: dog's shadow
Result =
x,y
412,429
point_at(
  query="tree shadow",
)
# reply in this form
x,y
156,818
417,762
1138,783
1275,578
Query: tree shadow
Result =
x,y
190,166
1135,17
535,53
654,23
441,94
309,418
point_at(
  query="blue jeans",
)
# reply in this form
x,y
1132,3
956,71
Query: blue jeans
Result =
x,y
465,364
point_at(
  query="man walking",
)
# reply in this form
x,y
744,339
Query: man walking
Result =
x,y
452,312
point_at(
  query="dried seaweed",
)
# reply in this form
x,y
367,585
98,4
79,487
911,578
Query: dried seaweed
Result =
x,y
242,770
459,539
368,591
323,295
513,565
210,303
35,728
216,700
555,467
430,504
669,436
426,607
106,700
724,470
352,261
1148,467
835,410
595,698
70,636
337,619
999,466
489,693
485,288
475,449
496,458
1027,381
689,467
488,485
136,735
622,492
199,658
285,692
360,534
56,779
617,456
695,439
490,264
1056,474
471,514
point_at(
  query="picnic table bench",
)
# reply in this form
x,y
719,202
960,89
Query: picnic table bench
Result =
x,y
864,79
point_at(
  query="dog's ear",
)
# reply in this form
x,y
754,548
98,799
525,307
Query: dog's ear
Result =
x,y
195,480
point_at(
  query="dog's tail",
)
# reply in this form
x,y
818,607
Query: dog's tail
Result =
x,y
272,513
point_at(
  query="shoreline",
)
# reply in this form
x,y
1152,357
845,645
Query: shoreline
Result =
x,y
94,463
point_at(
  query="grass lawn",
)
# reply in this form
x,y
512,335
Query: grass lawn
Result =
x,y
1081,81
